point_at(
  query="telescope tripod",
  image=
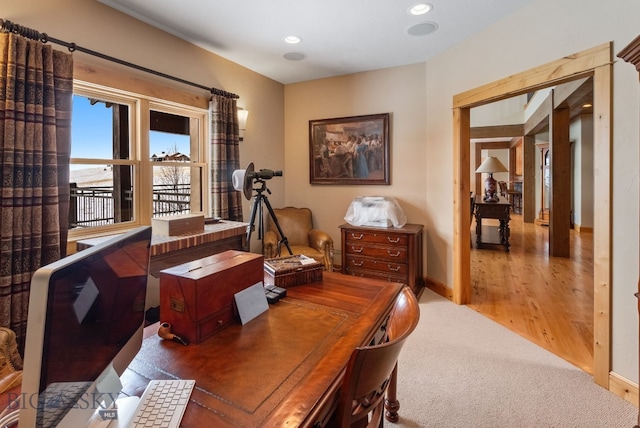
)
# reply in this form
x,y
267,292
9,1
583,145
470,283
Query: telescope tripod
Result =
x,y
256,208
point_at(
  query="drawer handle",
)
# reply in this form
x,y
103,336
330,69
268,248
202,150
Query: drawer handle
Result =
x,y
353,262
395,268
353,235
357,249
393,240
396,254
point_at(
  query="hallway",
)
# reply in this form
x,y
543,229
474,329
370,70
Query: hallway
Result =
x,y
548,300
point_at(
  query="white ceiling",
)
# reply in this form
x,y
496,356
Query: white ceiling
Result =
x,y
338,36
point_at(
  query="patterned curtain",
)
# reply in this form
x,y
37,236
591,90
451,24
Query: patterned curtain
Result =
x,y
227,202
36,89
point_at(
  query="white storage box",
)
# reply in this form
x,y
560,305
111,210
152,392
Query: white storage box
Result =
x,y
376,211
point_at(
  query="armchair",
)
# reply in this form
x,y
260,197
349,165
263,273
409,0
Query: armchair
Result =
x,y
297,226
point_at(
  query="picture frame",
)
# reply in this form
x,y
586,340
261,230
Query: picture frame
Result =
x,y
349,150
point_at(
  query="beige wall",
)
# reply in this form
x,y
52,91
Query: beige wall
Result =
x,y
398,91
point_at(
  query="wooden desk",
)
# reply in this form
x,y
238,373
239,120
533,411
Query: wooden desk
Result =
x,y
497,210
285,367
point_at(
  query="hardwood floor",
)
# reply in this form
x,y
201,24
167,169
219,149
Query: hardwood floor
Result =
x,y
548,300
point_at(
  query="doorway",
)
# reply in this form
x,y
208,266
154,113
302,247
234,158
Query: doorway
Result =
x,y
596,63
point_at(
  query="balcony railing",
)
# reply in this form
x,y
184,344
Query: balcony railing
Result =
x,y
97,206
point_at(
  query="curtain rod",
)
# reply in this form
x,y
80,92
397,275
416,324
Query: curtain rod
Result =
x,y
11,27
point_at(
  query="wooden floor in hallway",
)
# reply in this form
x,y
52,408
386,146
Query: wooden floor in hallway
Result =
x,y
548,300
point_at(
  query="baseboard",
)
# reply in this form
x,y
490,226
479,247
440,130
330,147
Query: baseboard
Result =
x,y
618,385
624,388
582,229
439,288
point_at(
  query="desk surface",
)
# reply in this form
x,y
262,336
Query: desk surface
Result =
x,y
502,203
283,368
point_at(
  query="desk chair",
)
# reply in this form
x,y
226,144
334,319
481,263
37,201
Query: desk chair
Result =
x,y
515,197
503,188
371,370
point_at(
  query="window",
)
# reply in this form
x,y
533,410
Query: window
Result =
x,y
133,158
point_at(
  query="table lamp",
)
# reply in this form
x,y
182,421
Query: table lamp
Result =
x,y
490,165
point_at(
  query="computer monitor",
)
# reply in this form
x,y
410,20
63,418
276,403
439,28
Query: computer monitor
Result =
x,y
85,322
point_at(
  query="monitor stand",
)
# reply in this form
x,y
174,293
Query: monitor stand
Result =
x,y
112,415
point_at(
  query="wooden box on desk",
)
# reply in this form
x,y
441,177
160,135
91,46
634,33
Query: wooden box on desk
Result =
x,y
175,225
291,271
197,298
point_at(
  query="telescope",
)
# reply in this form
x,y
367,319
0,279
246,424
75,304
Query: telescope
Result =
x,y
242,180
263,174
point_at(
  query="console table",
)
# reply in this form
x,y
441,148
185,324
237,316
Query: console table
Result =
x,y
497,210
169,251
392,254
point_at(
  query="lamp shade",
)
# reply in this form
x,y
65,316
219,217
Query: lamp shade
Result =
x,y
242,118
242,122
492,164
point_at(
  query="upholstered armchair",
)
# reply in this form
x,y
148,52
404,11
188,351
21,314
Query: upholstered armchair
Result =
x,y
297,226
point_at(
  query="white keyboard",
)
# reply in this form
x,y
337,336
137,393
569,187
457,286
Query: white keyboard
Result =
x,y
162,404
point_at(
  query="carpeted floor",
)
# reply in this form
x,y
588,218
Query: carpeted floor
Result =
x,y
460,369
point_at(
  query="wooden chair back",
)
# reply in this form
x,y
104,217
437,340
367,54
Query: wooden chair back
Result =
x,y
503,188
370,368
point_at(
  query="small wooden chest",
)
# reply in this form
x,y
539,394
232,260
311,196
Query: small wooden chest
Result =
x,y
291,271
176,225
197,298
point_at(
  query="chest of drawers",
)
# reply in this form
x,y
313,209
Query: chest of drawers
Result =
x,y
393,254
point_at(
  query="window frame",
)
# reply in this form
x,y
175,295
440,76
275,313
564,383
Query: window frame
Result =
x,y
140,106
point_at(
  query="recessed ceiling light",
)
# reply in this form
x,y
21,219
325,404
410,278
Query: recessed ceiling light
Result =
x,y
422,29
292,39
420,9
294,56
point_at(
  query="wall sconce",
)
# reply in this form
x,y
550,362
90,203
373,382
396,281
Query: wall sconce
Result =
x,y
242,122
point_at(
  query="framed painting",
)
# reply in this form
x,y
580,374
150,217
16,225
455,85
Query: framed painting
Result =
x,y
349,150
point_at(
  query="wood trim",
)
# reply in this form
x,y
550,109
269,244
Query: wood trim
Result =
x,y
624,388
631,53
602,101
439,288
582,229
553,73
128,81
597,62
461,211
497,131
